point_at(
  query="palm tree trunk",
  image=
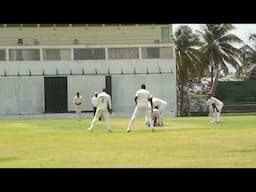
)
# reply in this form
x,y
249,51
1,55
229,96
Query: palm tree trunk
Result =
x,y
181,98
211,74
215,82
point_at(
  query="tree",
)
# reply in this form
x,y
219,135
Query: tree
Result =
x,y
187,60
247,58
218,50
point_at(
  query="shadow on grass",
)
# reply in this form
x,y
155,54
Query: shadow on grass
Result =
x,y
5,159
243,151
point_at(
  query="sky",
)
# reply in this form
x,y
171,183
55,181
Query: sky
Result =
x,y
242,30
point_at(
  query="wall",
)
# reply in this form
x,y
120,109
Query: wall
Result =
x,y
141,34
21,95
17,90
125,87
86,85
25,95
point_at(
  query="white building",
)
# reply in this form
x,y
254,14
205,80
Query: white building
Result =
x,y
42,66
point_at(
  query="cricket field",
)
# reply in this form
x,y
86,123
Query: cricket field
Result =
x,y
184,142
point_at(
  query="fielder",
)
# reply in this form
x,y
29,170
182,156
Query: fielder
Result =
x,y
94,104
161,105
215,107
77,101
156,116
143,101
104,107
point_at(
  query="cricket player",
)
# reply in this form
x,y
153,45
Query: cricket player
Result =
x,y
104,107
143,101
161,106
94,102
156,116
77,101
215,107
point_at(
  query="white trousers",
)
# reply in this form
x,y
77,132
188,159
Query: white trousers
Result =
x,y
215,116
78,112
161,111
146,111
101,112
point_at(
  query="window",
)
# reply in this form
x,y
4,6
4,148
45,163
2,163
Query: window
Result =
x,y
165,35
29,25
78,25
56,54
46,25
2,55
24,54
150,52
62,25
111,24
157,52
13,25
166,52
95,25
89,54
123,53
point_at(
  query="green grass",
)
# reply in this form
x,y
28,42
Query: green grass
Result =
x,y
190,142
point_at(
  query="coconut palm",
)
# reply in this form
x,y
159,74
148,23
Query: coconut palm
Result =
x,y
247,58
187,59
218,50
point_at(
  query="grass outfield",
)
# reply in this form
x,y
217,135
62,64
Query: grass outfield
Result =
x,y
184,142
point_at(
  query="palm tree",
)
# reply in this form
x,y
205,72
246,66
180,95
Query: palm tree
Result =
x,y
187,59
252,51
218,50
247,57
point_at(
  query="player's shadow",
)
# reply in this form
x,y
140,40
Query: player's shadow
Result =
x,y
5,159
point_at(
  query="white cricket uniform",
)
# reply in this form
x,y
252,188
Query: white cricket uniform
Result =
x,y
103,102
77,101
215,116
156,115
94,101
142,106
162,105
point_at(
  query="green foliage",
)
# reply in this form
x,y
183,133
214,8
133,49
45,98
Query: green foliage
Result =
x,y
218,49
187,62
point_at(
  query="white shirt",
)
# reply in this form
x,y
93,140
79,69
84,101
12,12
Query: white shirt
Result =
x,y
77,100
103,101
94,101
142,98
158,102
214,100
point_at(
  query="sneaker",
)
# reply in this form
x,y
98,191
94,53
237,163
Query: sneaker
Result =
x,y
152,130
147,125
89,130
109,130
128,130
